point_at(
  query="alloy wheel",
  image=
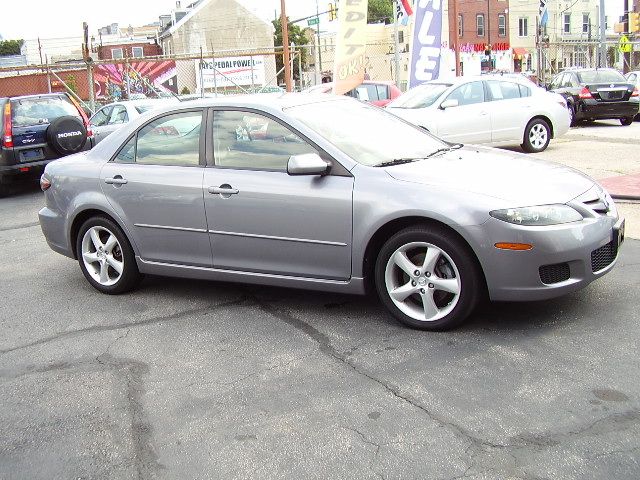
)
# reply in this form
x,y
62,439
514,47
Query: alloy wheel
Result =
x,y
538,136
102,255
423,281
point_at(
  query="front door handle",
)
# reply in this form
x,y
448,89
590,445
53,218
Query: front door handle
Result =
x,y
224,190
117,180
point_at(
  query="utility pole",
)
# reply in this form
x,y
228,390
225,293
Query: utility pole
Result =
x,y
626,55
396,43
285,46
319,66
603,38
456,46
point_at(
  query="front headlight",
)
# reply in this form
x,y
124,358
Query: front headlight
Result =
x,y
538,216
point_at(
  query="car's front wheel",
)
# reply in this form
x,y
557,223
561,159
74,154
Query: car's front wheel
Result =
x,y
428,278
537,136
572,114
626,121
106,257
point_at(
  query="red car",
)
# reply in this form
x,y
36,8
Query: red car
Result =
x,y
372,91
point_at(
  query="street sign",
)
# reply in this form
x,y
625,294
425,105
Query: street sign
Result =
x,y
624,45
313,21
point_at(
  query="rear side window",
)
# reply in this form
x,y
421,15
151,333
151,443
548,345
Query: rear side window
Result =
x,y
525,91
170,140
503,90
40,110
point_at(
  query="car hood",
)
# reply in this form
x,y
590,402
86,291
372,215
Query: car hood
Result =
x,y
518,179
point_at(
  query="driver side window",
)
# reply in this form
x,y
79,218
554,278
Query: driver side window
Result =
x,y
252,141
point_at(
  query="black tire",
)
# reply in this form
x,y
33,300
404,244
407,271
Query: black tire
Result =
x,y
130,276
536,123
572,114
625,122
472,286
67,135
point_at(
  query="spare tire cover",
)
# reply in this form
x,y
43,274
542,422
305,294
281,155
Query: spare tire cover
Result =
x,y
67,135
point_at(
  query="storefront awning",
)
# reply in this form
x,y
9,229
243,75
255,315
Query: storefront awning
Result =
x,y
519,51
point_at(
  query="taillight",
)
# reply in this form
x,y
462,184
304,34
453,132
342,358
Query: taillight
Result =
x,y
7,139
585,93
85,119
635,93
45,183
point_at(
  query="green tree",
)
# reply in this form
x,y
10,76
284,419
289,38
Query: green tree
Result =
x,y
380,11
10,47
297,37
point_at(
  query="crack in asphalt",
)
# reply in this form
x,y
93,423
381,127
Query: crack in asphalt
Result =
x,y
614,422
20,226
131,372
377,447
142,323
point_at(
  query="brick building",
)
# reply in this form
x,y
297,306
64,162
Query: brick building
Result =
x,y
482,25
128,49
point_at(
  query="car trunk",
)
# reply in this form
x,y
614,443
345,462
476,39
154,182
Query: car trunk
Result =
x,y
610,92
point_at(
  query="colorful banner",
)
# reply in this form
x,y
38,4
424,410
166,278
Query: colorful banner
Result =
x,y
427,42
116,81
403,11
230,72
351,44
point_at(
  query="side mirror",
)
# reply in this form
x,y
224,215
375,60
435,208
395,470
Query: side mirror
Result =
x,y
307,164
452,102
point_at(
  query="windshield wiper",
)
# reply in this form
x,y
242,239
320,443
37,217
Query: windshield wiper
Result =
x,y
400,161
455,146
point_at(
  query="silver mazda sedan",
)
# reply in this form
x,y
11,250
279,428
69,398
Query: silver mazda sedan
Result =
x,y
327,194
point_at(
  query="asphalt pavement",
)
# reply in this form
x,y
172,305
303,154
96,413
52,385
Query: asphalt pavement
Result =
x,y
187,379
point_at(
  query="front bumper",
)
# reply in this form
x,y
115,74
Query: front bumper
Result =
x,y
516,275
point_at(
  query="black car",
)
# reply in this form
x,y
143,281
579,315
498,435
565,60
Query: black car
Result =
x,y
37,129
597,94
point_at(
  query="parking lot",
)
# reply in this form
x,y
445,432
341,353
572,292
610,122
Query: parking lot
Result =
x,y
188,379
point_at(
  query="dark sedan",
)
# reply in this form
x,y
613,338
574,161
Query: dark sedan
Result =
x,y
597,94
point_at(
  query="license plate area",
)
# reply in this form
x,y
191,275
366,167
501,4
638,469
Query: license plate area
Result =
x,y
31,155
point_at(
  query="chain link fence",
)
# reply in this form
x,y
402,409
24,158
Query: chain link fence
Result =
x,y
555,57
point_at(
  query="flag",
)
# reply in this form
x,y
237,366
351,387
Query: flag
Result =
x,y
427,42
351,44
544,13
403,11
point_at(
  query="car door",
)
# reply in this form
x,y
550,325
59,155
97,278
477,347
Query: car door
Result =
x,y
154,184
509,111
99,121
261,219
118,117
469,121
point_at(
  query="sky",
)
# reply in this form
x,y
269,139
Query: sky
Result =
x,y
29,19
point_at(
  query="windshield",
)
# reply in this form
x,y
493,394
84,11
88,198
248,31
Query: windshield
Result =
x,y
368,134
600,76
420,97
40,110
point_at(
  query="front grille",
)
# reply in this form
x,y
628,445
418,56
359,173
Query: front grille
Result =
x,y
556,273
604,256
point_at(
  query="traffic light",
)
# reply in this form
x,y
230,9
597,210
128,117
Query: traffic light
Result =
x,y
333,12
634,22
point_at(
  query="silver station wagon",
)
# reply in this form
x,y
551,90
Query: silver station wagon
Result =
x,y
326,193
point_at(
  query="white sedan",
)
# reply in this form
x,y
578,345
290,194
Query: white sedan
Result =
x,y
489,110
634,77
111,117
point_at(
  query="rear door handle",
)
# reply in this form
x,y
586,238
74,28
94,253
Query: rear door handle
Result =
x,y
117,180
223,190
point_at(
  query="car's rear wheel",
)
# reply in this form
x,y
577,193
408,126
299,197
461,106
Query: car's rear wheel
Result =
x,y
572,114
537,136
626,121
106,257
428,278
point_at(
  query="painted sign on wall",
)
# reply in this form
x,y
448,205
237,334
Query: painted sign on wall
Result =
x,y
230,72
